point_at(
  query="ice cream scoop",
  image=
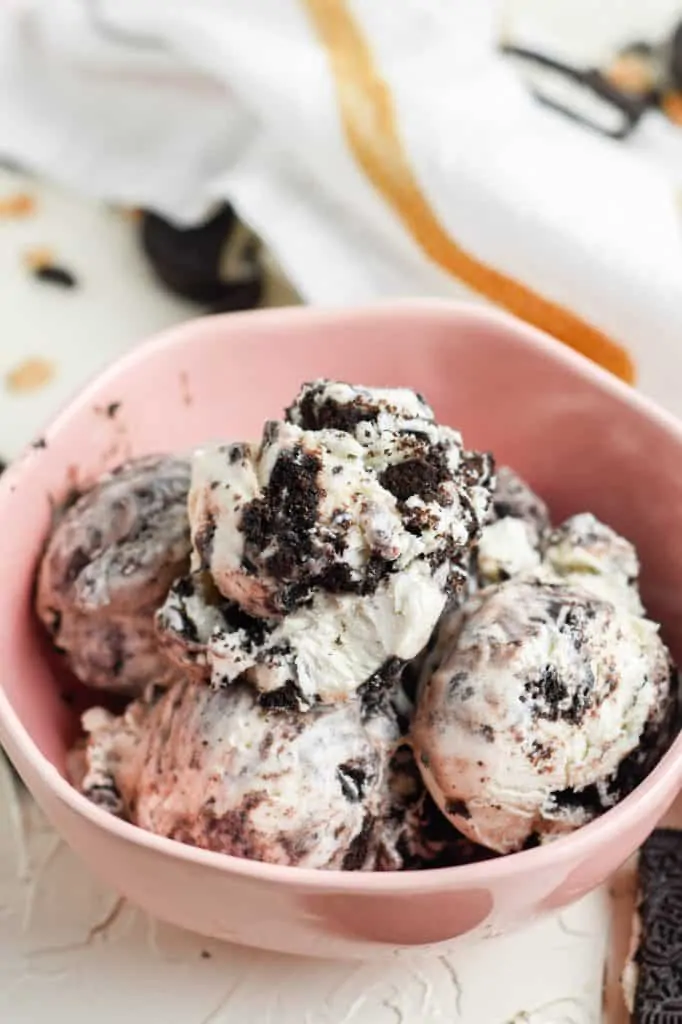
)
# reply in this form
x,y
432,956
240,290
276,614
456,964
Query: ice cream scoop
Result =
x,y
402,440
213,768
586,551
511,542
107,566
532,708
333,546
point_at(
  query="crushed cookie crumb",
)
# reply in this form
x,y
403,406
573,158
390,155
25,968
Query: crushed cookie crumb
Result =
x,y
31,375
41,262
56,275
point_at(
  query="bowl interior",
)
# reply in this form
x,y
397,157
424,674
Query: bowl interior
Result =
x,y
583,441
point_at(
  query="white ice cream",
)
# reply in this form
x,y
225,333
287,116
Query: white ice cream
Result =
x,y
532,699
585,551
329,648
323,509
507,547
511,543
346,541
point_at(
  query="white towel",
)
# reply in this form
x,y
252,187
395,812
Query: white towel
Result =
x,y
380,147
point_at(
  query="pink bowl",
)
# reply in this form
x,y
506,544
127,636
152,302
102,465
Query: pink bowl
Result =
x,y
583,439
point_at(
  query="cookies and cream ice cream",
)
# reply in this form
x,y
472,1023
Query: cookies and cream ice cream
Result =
x,y
334,544
415,834
194,610
535,696
107,566
519,538
513,497
215,769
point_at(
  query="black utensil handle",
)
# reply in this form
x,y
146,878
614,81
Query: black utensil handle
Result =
x,y
630,107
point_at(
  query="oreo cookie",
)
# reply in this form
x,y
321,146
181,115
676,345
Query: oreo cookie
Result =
x,y
653,977
216,263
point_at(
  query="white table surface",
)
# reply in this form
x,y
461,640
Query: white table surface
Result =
x,y
70,949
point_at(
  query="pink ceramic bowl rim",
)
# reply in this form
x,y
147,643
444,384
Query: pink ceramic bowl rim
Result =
x,y
567,849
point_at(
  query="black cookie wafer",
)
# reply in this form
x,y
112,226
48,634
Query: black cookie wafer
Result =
x,y
657,960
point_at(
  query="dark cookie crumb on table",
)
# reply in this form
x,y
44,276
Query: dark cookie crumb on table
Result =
x,y
53,274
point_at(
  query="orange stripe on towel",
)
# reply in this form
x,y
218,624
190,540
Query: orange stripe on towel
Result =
x,y
370,125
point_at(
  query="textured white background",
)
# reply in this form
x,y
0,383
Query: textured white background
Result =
x,y
70,950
